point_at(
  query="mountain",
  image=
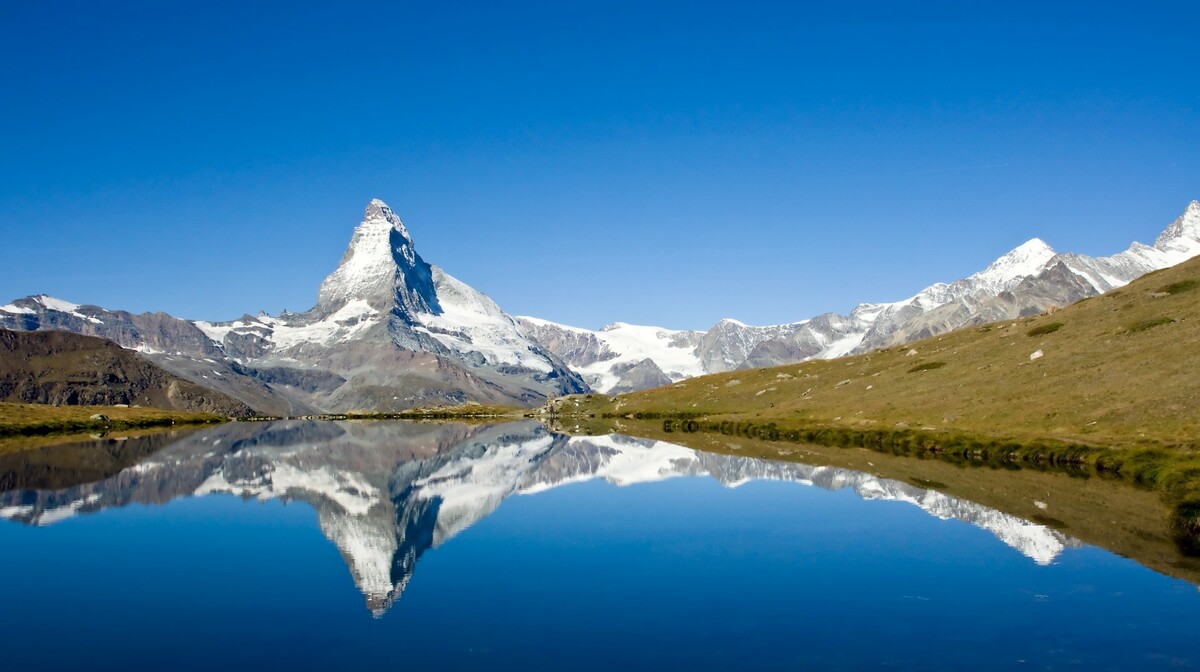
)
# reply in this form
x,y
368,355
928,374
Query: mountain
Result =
x,y
61,368
385,493
1026,281
389,331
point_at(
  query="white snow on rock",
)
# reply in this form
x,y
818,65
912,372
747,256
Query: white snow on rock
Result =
x,y
622,344
626,463
345,489
469,321
471,488
64,307
1006,272
381,280
343,325
368,268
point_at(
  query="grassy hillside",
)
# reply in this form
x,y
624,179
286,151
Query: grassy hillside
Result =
x,y
1115,370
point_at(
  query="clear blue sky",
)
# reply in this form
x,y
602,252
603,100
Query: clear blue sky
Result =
x,y
656,163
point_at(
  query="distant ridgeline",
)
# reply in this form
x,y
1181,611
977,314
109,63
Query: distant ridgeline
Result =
x,y
1028,280
391,332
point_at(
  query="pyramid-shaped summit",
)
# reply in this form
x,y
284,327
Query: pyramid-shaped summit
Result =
x,y
381,268
401,332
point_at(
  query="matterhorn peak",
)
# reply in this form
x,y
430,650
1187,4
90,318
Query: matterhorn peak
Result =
x,y
378,214
381,267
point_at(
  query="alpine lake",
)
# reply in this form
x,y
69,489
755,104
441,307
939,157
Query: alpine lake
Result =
x,y
393,545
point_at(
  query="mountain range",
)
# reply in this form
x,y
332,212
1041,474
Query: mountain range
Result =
x,y
385,493
1028,280
390,331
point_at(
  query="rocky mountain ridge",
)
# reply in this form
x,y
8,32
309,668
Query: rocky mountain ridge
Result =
x,y
1028,280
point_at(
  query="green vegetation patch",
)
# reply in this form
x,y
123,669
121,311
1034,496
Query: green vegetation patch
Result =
x,y
37,419
1180,287
1149,324
1048,328
927,366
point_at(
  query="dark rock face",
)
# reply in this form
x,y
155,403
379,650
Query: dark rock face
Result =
x,y
60,368
579,348
774,352
309,380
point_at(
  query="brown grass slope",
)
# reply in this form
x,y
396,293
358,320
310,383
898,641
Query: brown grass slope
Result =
x,y
1119,369
59,368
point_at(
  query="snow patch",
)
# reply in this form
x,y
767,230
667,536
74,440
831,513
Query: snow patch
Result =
x,y
472,322
64,307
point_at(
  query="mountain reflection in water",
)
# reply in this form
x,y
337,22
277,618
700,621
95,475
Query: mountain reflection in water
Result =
x,y
386,492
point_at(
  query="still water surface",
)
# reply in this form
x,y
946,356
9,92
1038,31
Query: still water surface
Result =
x,y
509,547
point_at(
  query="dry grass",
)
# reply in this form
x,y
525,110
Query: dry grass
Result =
x,y
32,419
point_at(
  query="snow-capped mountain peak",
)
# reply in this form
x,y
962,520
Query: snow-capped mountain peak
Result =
x,y
47,302
1186,227
1027,259
380,266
